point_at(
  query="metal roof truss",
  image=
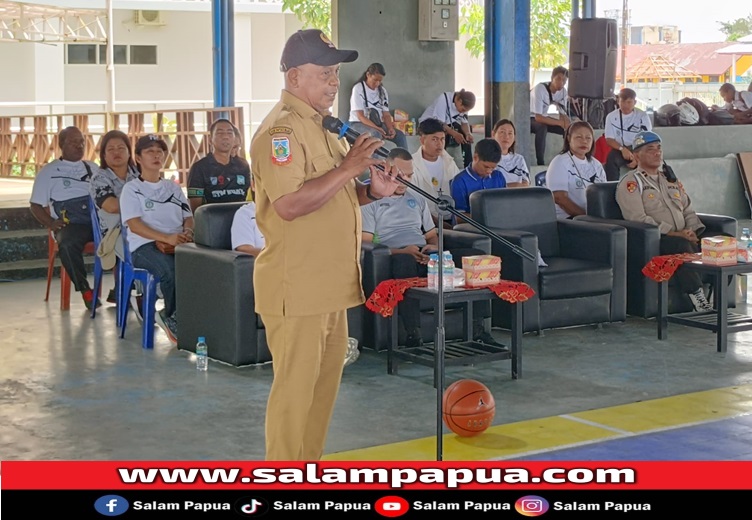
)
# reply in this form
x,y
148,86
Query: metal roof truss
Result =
x,y
22,22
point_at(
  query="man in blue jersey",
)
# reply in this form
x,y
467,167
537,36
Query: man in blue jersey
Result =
x,y
480,175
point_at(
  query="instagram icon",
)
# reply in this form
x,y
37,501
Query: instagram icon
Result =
x,y
531,505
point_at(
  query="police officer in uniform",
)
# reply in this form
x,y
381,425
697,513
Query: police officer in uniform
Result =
x,y
652,194
308,275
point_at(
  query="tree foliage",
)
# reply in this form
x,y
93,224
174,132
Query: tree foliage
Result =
x,y
549,38
549,32
737,28
549,22
316,14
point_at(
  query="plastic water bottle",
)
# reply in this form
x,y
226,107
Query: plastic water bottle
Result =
x,y
433,271
202,355
743,247
448,271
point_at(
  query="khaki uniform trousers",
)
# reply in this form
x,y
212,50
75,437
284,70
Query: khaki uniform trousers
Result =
x,y
308,354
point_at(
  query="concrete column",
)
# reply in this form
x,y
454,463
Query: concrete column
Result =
x,y
508,66
223,44
386,31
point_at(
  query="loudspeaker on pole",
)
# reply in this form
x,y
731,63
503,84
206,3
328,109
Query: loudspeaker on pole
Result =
x,y
592,58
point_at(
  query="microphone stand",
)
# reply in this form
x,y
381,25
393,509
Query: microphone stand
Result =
x,y
444,205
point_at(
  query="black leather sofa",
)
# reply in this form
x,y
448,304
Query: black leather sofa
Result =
x,y
215,295
643,243
585,281
214,291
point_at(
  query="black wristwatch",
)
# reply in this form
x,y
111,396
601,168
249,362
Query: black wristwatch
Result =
x,y
369,194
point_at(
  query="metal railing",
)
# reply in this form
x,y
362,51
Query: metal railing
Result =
x,y
28,142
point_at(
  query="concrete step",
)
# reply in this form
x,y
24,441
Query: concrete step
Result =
x,y
28,244
15,219
31,269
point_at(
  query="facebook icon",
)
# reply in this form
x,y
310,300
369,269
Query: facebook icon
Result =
x,y
111,505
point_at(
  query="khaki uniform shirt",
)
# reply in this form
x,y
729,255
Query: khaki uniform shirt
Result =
x,y
654,200
310,265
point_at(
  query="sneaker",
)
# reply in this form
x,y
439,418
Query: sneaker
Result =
x,y
699,301
169,325
137,304
111,298
487,339
88,296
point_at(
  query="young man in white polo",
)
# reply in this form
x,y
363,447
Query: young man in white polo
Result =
x,y
622,125
542,97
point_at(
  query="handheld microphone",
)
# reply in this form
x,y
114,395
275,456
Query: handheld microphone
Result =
x,y
342,129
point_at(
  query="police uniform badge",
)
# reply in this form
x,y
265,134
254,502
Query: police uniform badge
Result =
x,y
281,150
631,186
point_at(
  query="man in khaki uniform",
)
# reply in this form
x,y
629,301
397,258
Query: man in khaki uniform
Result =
x,y
308,275
652,194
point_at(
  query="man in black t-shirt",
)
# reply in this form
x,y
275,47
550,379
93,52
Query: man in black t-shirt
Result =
x,y
219,177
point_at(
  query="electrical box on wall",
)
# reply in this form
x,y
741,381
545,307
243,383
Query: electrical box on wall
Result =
x,y
438,20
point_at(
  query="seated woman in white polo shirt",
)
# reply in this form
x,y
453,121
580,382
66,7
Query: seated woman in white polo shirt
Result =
x,y
573,170
512,164
369,107
158,217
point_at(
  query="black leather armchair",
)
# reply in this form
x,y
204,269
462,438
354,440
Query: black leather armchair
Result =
x,y
215,295
376,262
643,243
214,290
585,281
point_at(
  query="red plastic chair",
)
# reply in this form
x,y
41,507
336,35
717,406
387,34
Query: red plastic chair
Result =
x,y
65,281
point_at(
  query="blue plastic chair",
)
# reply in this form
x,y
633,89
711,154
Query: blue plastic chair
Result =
x,y
540,179
98,271
128,275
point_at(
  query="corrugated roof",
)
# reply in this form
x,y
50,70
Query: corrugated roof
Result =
x,y
700,58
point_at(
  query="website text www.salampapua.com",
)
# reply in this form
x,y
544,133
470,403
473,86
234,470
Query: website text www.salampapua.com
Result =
x,y
396,478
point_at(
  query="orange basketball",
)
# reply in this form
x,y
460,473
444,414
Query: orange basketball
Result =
x,y
469,407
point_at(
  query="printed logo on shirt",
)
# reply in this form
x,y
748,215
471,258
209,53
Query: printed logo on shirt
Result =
x,y
241,180
435,182
213,181
281,150
66,183
149,204
412,203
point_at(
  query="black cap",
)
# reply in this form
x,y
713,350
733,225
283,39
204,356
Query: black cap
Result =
x,y
149,140
313,46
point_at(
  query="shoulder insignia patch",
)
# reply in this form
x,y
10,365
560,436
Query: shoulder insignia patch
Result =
x,y
281,150
631,186
280,130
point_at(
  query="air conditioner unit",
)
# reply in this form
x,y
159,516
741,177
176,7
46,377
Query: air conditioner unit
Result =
x,y
149,17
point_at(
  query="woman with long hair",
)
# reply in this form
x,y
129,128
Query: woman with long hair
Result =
x,y
116,168
573,170
512,164
158,217
369,107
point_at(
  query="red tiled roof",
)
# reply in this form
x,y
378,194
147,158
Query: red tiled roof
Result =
x,y
700,58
